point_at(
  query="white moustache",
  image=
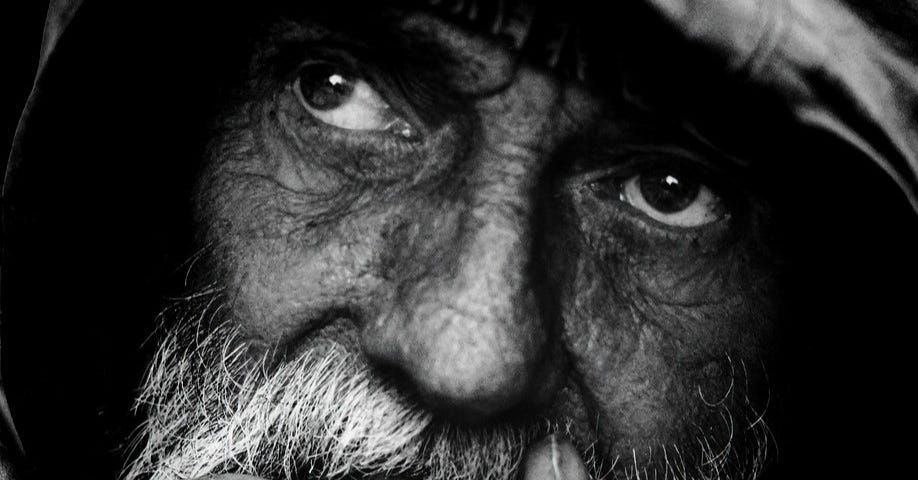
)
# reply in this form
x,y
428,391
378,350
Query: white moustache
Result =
x,y
213,410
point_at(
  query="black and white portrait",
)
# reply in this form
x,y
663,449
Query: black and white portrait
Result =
x,y
461,240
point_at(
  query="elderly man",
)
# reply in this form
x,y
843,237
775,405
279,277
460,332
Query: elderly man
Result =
x,y
459,240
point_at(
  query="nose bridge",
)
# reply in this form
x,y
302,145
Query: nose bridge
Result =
x,y
469,333
474,333
488,298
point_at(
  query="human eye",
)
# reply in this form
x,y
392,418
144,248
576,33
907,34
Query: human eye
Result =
x,y
338,96
674,193
674,197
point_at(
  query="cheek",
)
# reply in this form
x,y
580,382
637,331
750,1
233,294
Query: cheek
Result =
x,y
286,258
284,290
298,227
649,364
622,364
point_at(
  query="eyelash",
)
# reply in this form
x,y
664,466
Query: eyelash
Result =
x,y
629,165
375,78
365,138
629,161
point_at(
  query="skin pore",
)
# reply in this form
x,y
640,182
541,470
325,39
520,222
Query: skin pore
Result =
x,y
422,253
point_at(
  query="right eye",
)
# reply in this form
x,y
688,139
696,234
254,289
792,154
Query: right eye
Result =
x,y
337,97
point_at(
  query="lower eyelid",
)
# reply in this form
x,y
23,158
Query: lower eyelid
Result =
x,y
363,155
387,122
628,224
705,199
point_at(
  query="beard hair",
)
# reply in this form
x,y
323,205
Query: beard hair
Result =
x,y
212,407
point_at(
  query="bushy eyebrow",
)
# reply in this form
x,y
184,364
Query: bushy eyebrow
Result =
x,y
548,35
627,150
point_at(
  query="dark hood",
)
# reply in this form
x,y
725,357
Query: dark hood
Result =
x,y
96,219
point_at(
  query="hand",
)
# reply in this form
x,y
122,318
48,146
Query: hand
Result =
x,y
553,458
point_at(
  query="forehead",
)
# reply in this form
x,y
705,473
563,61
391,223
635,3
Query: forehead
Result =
x,y
550,34
574,40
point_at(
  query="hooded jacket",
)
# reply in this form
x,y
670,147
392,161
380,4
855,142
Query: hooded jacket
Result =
x,y
96,201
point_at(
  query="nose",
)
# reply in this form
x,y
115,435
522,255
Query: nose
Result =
x,y
469,336
466,326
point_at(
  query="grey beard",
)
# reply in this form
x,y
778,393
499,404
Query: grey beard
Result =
x,y
214,408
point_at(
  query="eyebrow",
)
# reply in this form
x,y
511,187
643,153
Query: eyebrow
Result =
x,y
629,136
541,33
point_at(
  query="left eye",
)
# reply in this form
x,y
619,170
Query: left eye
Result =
x,y
334,96
673,198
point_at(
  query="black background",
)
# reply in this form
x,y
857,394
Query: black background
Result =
x,y
21,28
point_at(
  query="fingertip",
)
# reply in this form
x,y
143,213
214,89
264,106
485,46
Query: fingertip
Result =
x,y
554,458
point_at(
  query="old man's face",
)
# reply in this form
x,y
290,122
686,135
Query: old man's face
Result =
x,y
424,247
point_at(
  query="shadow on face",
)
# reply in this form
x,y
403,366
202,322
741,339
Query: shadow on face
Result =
x,y
426,239
503,243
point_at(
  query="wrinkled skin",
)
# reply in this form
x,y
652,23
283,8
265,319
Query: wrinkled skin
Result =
x,y
475,258
487,262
